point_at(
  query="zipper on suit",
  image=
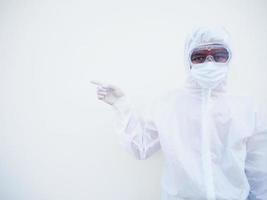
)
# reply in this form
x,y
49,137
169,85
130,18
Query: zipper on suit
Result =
x,y
205,145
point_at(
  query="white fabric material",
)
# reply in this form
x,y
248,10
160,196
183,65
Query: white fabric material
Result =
x,y
209,74
214,144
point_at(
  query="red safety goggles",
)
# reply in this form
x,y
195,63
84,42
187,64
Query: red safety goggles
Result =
x,y
213,52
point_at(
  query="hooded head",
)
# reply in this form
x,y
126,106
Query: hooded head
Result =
x,y
201,73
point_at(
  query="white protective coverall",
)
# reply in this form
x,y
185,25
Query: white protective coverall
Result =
x,y
214,144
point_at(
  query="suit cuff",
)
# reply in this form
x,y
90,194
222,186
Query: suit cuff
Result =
x,y
122,105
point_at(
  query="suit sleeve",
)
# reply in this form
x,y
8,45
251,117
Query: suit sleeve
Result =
x,y
256,160
137,132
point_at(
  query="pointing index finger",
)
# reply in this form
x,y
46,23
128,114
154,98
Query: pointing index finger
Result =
x,y
101,84
96,83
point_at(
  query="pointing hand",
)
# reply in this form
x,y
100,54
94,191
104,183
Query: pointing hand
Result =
x,y
107,92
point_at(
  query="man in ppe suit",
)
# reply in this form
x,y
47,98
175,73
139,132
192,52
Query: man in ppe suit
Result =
x,y
214,144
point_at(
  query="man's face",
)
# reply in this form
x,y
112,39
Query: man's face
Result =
x,y
218,53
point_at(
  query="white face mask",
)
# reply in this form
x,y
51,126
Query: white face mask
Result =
x,y
209,74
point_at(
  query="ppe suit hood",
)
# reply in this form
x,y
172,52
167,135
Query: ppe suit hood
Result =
x,y
202,36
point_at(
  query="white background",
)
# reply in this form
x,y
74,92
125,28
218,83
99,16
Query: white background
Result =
x,y
57,140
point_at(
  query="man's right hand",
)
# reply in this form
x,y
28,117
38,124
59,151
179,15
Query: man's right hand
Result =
x,y
107,92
